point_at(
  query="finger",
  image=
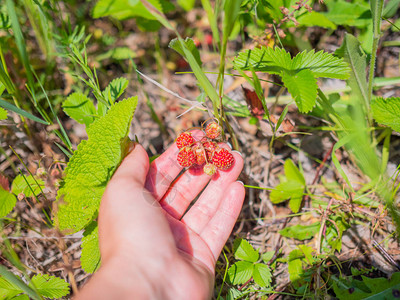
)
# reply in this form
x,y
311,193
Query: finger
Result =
x,y
218,229
165,169
134,167
207,204
183,191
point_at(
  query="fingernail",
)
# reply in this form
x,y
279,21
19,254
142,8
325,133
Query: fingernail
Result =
x,y
239,181
229,144
132,146
237,152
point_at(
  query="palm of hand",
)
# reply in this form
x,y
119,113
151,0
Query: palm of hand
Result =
x,y
144,218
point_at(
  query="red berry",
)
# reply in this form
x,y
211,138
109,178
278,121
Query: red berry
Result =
x,y
184,139
213,130
186,157
209,169
199,153
210,147
222,159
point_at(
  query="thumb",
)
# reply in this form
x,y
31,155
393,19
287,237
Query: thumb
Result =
x,y
134,167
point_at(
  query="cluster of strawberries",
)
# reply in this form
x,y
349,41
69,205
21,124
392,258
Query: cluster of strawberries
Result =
x,y
204,152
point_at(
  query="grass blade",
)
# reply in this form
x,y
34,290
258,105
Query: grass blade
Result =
x,y
9,106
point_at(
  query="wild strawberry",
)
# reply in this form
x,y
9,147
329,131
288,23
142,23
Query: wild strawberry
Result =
x,y
209,169
184,139
210,147
199,153
222,159
186,157
213,130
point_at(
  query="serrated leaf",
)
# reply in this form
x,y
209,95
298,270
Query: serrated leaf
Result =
x,y
303,88
29,186
80,108
90,257
286,190
176,45
115,89
7,202
92,166
267,256
3,114
386,111
300,232
354,55
295,266
50,286
276,60
262,275
244,251
240,272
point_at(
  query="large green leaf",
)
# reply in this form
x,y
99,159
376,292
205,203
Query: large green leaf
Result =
x,y
240,272
50,286
90,257
348,14
92,166
386,111
7,202
276,60
303,88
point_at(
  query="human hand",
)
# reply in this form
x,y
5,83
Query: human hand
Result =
x,y
151,248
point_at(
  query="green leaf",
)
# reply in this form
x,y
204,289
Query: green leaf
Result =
x,y
244,251
7,202
368,288
115,89
386,111
117,53
7,289
295,266
80,108
276,60
50,286
90,257
189,43
125,9
303,88
186,4
240,272
267,256
300,232
10,283
27,185
316,19
262,275
3,114
92,166
348,14
290,188
354,55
